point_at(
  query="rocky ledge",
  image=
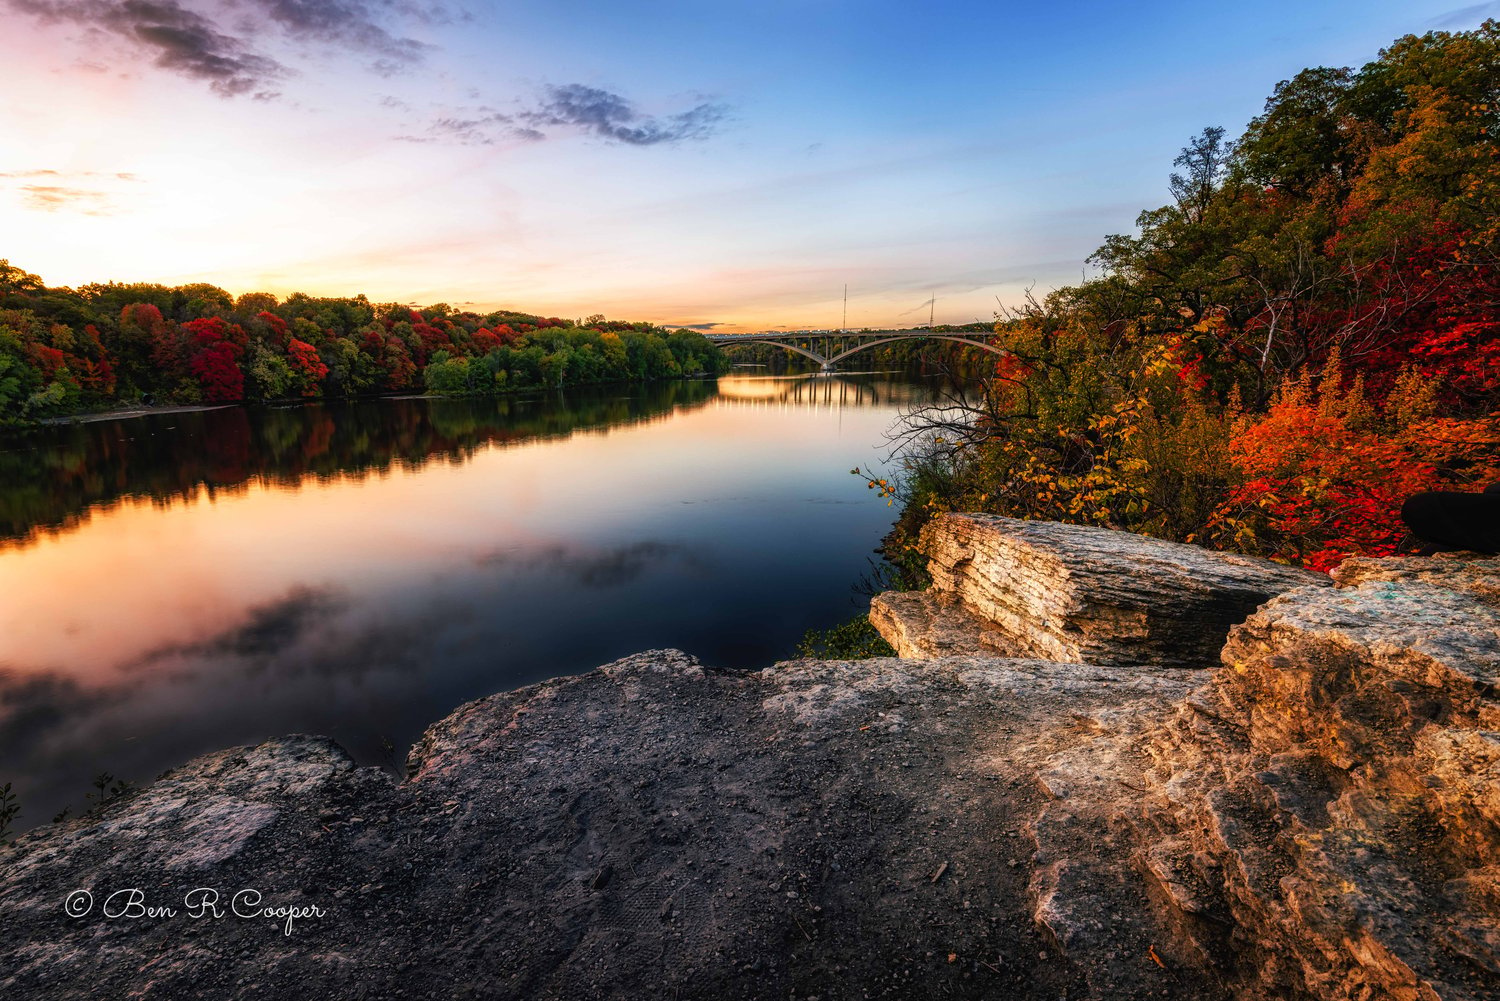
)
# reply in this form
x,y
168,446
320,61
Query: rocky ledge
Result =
x,y
1316,817
1076,594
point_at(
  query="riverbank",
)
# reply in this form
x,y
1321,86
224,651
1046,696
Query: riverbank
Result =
x,y
1316,817
122,413
128,411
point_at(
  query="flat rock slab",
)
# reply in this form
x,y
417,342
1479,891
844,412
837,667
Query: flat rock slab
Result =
x,y
1074,593
924,625
650,829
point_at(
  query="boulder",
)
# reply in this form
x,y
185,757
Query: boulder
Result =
x,y
1471,573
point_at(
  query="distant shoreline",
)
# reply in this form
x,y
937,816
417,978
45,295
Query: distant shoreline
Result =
x,y
121,413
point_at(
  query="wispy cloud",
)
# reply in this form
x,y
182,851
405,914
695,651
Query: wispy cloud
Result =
x,y
482,128
351,25
925,304
1466,16
183,41
51,198
89,192
612,117
28,174
222,42
569,107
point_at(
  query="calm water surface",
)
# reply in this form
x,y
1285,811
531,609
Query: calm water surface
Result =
x,y
179,583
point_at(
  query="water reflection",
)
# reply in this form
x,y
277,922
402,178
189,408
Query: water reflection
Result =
x,y
851,389
185,582
51,476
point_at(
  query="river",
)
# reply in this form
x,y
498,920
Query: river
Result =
x,y
181,582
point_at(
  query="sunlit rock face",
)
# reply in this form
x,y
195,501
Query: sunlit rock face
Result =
x,y
1470,572
921,625
1074,593
1335,790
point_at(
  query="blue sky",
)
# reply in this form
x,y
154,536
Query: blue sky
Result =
x,y
727,163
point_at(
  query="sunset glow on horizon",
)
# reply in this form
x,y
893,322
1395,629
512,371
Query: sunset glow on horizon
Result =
x,y
730,167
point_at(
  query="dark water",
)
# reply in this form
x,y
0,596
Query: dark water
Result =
x,y
183,582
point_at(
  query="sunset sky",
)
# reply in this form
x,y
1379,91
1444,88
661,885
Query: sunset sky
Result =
x,y
729,163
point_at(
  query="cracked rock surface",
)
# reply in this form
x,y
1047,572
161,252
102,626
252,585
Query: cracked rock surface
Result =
x,y
1336,790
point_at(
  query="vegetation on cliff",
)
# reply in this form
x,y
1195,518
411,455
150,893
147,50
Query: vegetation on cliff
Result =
x,y
66,350
1308,333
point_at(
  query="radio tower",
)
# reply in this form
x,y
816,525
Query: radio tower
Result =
x,y
845,325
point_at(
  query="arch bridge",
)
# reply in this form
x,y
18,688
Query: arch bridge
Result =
x,y
837,345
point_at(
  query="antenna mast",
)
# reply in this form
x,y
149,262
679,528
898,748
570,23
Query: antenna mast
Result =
x,y
931,312
845,325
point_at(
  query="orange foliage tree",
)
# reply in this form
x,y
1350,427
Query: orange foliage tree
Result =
x,y
1325,472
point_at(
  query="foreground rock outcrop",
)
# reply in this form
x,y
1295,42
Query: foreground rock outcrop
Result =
x,y
651,829
1322,819
1077,594
1336,788
1317,817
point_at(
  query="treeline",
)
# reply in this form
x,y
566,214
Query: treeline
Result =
x,y
65,350
1306,335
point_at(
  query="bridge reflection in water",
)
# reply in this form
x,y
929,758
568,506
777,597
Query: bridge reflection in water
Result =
x,y
837,392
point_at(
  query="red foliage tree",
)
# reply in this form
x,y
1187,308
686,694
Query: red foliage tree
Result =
x,y
216,350
400,369
216,367
1325,472
277,325
433,339
47,360
143,317
305,361
485,339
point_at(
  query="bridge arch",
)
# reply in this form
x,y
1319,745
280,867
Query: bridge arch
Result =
x,y
827,363
910,337
777,344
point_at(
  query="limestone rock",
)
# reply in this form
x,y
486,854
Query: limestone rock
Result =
x,y
923,625
1074,593
1318,817
651,829
1338,784
1468,572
